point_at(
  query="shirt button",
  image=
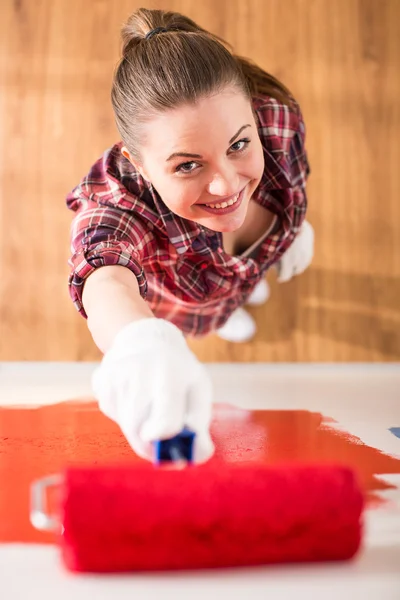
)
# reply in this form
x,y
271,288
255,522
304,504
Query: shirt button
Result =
x,y
203,266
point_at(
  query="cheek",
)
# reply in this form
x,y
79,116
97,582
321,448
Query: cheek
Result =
x,y
252,166
174,193
180,195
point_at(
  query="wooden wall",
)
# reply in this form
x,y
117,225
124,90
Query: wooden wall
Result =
x,y
341,58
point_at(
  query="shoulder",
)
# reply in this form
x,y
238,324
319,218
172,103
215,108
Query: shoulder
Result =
x,y
278,123
111,180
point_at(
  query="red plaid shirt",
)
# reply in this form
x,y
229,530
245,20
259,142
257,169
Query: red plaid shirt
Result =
x,y
181,267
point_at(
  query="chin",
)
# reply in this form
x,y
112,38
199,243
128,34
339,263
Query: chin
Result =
x,y
224,227
228,228
233,223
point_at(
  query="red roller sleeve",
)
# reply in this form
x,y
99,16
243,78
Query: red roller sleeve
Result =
x,y
144,518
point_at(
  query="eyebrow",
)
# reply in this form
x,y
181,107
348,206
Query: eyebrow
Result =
x,y
188,155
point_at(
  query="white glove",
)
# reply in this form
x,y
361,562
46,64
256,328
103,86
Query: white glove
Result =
x,y
299,255
152,385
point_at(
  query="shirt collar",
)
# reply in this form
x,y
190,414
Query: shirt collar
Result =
x,y
181,232
276,173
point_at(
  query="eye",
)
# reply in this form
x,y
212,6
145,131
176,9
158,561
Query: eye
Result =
x,y
240,145
187,167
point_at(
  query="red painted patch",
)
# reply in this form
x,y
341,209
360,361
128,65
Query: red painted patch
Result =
x,y
301,436
35,442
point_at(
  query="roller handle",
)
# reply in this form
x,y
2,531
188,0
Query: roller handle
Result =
x,y
40,518
176,449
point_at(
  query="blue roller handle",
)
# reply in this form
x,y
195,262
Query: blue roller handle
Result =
x,y
177,448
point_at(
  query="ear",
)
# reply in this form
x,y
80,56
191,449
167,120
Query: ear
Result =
x,y
138,166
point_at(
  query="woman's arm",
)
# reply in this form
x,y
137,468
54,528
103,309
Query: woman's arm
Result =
x,y
149,381
111,300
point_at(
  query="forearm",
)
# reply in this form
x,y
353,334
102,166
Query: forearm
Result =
x,y
111,300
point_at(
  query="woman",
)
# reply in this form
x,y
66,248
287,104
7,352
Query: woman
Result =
x,y
176,225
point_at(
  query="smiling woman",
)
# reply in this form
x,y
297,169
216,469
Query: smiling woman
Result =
x,y
215,186
178,222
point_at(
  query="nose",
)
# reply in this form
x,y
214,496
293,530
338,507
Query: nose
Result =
x,y
224,182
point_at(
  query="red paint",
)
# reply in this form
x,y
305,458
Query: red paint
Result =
x,y
301,436
40,441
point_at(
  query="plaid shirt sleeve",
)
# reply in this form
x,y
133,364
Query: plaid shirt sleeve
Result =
x,y
299,172
299,169
298,161
103,236
282,132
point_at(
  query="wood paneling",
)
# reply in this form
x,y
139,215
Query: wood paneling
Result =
x,y
341,58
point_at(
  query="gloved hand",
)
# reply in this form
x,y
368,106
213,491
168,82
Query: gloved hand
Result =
x,y
152,385
299,256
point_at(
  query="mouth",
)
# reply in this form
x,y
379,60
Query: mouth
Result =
x,y
228,206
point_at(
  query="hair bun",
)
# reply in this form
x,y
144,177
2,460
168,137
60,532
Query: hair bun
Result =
x,y
144,23
130,35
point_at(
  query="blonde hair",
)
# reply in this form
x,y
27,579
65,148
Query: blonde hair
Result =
x,y
176,65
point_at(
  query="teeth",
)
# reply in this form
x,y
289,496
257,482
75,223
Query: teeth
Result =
x,y
224,204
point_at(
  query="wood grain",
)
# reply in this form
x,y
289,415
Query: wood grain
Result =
x,y
341,58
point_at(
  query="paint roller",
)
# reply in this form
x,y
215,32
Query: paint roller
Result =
x,y
145,517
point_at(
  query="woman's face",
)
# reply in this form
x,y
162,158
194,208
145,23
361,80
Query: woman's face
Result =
x,y
205,160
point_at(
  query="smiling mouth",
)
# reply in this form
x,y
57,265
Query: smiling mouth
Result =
x,y
230,202
227,205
